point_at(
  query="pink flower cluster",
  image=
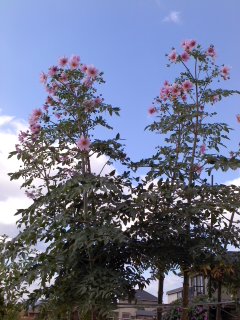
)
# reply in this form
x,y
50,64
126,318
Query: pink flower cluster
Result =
x,y
61,76
74,63
90,105
84,143
34,121
22,136
188,46
57,78
175,90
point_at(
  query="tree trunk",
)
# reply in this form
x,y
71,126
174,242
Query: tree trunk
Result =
x,y
219,306
160,294
185,296
209,293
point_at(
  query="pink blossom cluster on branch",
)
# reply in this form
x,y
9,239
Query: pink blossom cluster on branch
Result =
x,y
189,46
182,89
66,82
193,90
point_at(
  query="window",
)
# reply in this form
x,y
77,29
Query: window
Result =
x,y
126,316
197,283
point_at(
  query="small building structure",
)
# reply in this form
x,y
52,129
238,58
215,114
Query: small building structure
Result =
x,y
198,287
142,307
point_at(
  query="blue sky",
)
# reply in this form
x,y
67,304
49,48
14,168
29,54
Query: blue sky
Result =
x,y
127,39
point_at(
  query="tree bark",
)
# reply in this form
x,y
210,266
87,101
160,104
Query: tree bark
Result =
x,y
185,296
160,294
219,306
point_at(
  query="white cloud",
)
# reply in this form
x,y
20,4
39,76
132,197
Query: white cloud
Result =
x,y
100,165
11,196
171,282
234,181
174,17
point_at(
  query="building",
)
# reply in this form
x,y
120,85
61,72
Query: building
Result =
x,y
198,286
143,306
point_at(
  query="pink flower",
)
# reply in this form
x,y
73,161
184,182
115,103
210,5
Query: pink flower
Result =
x,y
192,44
37,113
187,85
166,84
35,128
45,107
185,45
63,61
173,56
185,56
54,89
50,100
98,100
238,118
91,71
184,98
58,115
74,62
87,82
63,77
225,72
215,99
152,110
22,135
203,149
84,143
43,78
175,90
84,68
89,105
35,116
53,71
211,52
189,45
165,92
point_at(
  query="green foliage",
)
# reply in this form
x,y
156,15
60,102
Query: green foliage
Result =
x,y
183,220
85,258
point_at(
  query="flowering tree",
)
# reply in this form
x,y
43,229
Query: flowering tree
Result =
x,y
182,217
76,215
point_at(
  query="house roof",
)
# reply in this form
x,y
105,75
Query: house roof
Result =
x,y
145,296
175,290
